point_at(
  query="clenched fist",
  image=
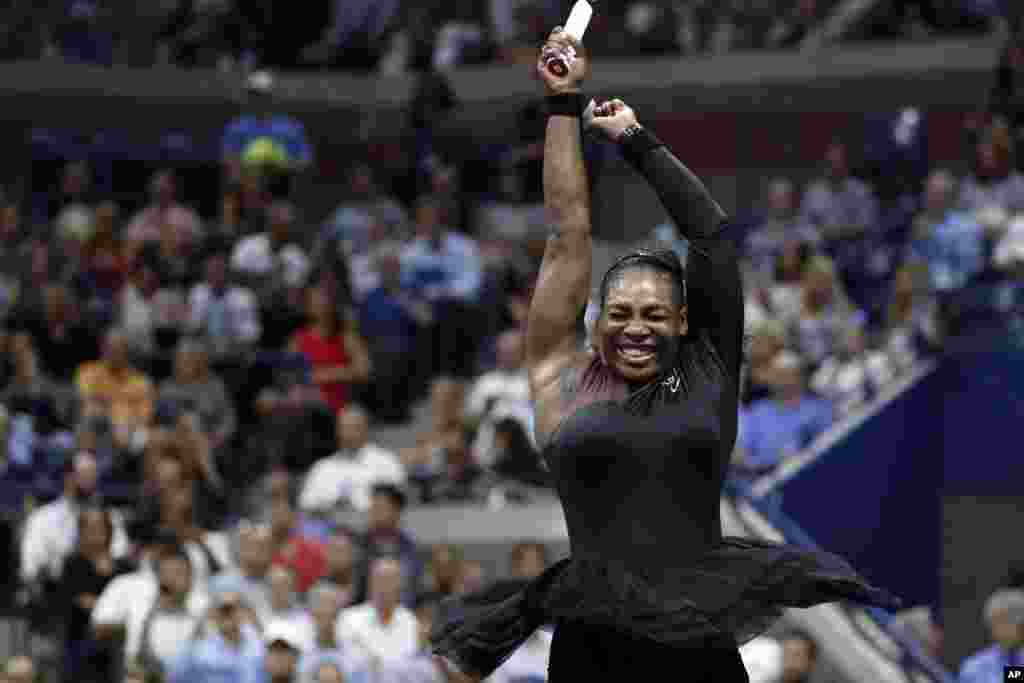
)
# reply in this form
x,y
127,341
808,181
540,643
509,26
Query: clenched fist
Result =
x,y
570,51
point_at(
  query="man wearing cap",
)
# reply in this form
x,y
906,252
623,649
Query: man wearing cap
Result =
x,y
284,644
228,653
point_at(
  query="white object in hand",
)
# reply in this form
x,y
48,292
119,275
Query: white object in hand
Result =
x,y
579,18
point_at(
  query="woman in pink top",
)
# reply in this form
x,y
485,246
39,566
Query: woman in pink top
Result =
x,y
336,352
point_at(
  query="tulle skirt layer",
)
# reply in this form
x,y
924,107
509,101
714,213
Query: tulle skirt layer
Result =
x,y
737,589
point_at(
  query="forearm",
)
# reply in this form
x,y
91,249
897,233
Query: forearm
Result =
x,y
566,190
682,193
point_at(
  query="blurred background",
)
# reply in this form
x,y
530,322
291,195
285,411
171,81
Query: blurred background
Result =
x,y
263,282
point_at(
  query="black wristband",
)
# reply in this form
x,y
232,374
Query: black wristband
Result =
x,y
635,143
565,104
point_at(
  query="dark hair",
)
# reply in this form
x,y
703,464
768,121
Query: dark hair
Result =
x,y
393,492
663,260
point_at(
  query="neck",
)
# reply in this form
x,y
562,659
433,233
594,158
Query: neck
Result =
x,y
232,637
385,612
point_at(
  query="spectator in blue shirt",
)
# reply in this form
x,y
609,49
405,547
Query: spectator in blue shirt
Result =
x,y
240,145
949,241
1004,613
394,317
228,654
777,427
446,268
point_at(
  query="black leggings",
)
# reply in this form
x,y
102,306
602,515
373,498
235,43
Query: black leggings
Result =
x,y
581,652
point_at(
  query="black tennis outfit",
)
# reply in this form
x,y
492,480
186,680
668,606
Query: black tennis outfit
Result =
x,y
651,586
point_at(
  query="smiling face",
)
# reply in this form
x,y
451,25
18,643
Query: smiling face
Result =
x,y
641,324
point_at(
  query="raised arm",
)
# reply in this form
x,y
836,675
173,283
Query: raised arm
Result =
x,y
714,288
563,285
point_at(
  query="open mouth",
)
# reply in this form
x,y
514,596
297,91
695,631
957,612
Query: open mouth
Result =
x,y
636,353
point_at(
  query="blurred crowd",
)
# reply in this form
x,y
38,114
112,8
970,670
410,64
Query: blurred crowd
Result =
x,y
392,36
189,403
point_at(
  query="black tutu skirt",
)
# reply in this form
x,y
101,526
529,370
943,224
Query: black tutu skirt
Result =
x,y
737,589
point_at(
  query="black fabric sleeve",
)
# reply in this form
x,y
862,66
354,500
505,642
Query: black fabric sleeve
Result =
x,y
714,288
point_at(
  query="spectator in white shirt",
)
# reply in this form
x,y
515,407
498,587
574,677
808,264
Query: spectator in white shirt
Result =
x,y
164,213
284,648
421,666
271,259
853,375
347,477
163,613
51,531
224,313
382,628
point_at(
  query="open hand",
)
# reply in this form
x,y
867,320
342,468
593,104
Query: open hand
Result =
x,y
613,117
560,44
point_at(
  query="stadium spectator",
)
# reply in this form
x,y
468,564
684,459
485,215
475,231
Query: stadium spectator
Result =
x,y
781,225
293,549
62,338
824,311
382,628
272,261
349,230
334,349
228,651
164,214
993,180
104,264
30,392
395,318
342,565
460,478
208,550
272,146
913,328
224,313
844,210
151,307
162,628
248,576
778,427
326,603
470,577
51,531
441,571
287,606
503,392
420,666
126,393
767,340
346,478
799,658
447,268
1004,616
195,388
784,293
385,538
946,239
853,375
283,647
86,573
329,672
